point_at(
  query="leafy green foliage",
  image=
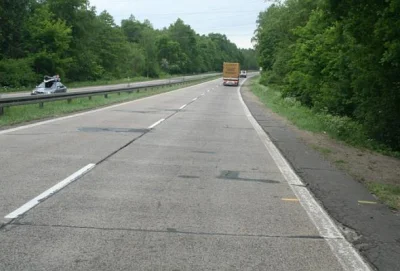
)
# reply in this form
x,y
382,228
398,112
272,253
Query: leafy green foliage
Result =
x,y
72,39
16,72
337,57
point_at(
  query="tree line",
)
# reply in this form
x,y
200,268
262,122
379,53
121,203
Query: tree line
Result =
x,y
339,57
69,38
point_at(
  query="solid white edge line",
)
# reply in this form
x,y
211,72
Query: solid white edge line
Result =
x,y
346,254
95,110
156,123
182,107
194,99
32,203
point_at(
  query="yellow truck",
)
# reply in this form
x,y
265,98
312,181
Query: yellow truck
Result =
x,y
231,73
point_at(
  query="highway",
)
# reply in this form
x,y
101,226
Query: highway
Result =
x,y
185,180
115,86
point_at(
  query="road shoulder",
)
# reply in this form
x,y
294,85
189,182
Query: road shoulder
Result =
x,y
372,228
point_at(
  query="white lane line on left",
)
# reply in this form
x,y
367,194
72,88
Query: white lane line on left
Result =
x,y
182,107
194,99
202,94
155,124
32,203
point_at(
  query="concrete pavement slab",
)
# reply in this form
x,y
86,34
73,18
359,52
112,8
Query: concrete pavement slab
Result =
x,y
70,248
199,191
36,158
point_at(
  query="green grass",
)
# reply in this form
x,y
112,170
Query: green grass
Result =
x,y
322,150
98,82
337,127
340,162
118,81
107,82
86,83
25,113
341,128
389,194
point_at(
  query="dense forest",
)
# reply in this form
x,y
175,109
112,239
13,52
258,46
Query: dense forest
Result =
x,y
339,57
70,38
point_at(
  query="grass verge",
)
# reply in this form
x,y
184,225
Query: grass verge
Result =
x,y
388,193
26,113
99,82
87,83
340,128
109,82
337,127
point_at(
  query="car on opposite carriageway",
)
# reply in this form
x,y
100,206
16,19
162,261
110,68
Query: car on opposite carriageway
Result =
x,y
50,85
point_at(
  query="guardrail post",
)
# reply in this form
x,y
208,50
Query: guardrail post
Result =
x,y
41,105
1,110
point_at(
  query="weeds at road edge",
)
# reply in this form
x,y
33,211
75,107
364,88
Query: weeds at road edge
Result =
x,y
339,128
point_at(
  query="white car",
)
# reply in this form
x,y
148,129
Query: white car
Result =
x,y
243,74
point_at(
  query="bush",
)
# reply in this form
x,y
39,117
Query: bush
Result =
x,y
16,73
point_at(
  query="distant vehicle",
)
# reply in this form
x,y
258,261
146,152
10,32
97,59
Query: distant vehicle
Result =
x,y
50,85
243,74
231,74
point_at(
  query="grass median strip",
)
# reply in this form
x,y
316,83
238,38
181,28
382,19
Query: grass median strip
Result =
x,y
25,113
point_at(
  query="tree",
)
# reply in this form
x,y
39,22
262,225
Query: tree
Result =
x,y
13,20
171,52
47,40
340,57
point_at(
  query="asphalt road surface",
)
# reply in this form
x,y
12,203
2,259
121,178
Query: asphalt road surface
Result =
x,y
116,86
184,180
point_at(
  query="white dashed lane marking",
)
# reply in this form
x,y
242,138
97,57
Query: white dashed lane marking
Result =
x,y
32,203
156,123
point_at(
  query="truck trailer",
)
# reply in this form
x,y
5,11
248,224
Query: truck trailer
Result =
x,y
230,74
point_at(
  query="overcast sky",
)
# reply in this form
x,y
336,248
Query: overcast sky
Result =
x,y
234,18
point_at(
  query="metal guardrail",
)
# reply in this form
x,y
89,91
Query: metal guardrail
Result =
x,y
42,98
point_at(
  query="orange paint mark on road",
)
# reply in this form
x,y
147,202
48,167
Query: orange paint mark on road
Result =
x,y
290,199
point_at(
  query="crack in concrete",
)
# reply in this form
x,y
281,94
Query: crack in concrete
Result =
x,y
175,231
136,138
321,169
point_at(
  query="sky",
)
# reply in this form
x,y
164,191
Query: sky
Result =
x,y
234,18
